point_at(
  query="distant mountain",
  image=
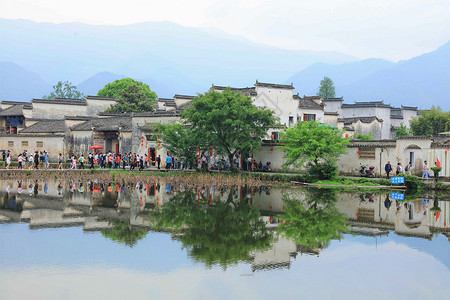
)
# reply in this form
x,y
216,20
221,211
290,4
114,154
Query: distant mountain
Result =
x,y
421,81
93,84
308,80
181,57
18,84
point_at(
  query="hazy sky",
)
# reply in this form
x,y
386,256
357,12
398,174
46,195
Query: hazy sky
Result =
x,y
391,29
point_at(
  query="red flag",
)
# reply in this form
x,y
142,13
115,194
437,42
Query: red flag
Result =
x,y
438,163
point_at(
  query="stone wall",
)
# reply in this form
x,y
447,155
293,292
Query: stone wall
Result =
x,y
53,144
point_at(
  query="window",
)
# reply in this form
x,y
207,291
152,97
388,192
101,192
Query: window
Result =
x,y
10,144
39,144
291,120
366,152
24,143
275,135
308,117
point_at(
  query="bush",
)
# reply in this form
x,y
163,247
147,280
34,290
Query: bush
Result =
x,y
323,171
413,182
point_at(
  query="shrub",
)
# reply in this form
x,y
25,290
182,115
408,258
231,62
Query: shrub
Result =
x,y
323,171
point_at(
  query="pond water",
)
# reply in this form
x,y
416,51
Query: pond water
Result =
x,y
92,240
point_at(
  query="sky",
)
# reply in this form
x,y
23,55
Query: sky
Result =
x,y
389,29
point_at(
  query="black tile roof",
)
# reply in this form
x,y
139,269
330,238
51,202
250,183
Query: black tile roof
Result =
x,y
274,85
334,99
246,91
331,113
47,126
105,124
100,98
15,110
26,105
187,97
367,104
62,101
356,119
307,102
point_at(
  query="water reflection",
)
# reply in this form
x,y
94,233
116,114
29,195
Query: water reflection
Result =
x,y
215,231
221,225
313,220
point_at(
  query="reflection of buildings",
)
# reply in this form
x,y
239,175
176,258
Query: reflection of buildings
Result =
x,y
409,218
95,205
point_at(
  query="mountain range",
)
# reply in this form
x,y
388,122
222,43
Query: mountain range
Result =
x,y
173,59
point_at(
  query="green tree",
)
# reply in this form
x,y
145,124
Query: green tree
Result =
x,y
132,99
64,89
228,121
326,89
123,233
363,137
402,131
178,140
112,89
431,122
313,143
313,220
218,233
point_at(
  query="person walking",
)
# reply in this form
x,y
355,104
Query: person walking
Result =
x,y
36,160
408,168
46,162
30,162
425,170
8,160
399,169
388,169
60,162
81,160
158,161
19,161
168,162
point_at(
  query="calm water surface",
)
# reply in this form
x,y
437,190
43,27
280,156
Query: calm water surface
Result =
x,y
91,240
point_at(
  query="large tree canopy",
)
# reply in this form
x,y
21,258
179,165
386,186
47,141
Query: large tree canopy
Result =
x,y
312,142
326,89
64,89
178,140
132,95
431,122
112,89
132,99
228,121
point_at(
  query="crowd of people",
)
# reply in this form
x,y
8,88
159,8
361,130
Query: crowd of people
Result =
x,y
407,169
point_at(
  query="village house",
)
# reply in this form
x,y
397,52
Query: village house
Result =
x,y
73,125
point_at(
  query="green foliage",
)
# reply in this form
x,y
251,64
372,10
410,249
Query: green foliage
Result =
x,y
326,89
413,183
178,140
325,170
112,89
431,122
313,143
222,233
402,131
363,137
64,89
132,99
436,171
123,233
228,121
313,220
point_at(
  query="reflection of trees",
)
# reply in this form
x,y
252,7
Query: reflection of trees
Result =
x,y
313,221
123,233
222,233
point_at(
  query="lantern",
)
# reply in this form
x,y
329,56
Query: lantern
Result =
x,y
357,151
346,135
271,149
